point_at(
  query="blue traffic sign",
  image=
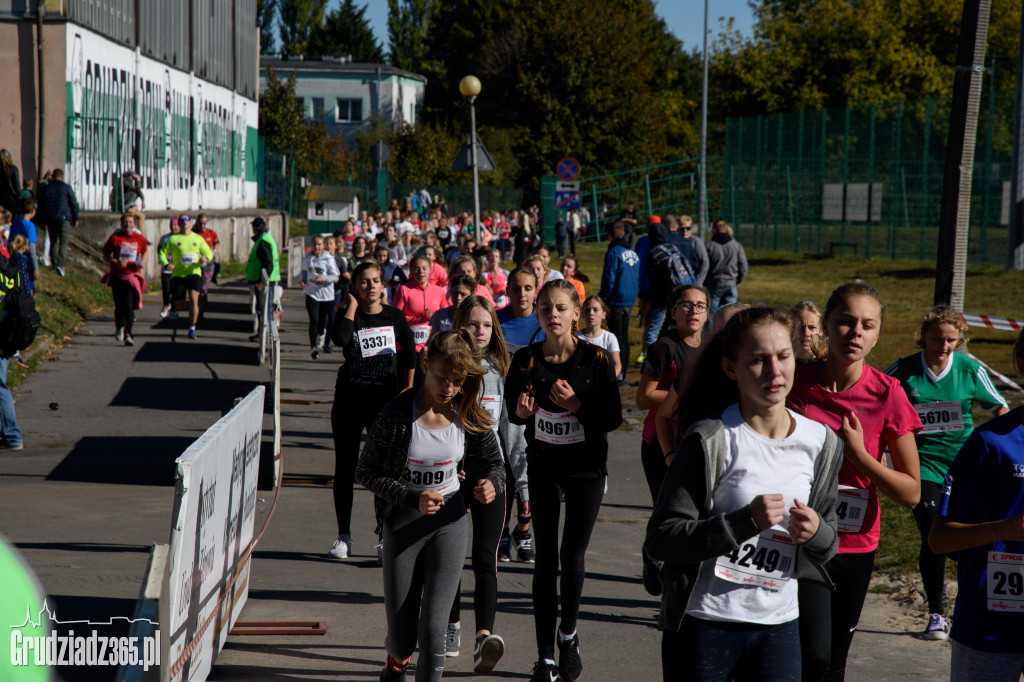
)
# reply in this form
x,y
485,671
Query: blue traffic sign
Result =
x,y
568,168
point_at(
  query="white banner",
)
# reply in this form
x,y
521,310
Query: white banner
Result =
x,y
207,578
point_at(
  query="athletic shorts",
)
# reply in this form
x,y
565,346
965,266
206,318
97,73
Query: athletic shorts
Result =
x,y
180,286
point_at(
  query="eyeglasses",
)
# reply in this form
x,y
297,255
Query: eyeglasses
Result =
x,y
686,306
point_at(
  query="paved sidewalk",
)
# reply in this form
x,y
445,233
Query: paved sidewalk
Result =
x,y
93,490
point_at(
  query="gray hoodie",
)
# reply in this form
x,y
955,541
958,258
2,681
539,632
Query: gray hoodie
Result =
x,y
511,437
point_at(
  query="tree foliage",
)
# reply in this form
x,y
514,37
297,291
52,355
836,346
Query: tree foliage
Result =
x,y
605,90
299,20
812,54
409,24
266,13
346,30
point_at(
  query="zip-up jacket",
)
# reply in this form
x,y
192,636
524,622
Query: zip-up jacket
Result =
x,y
385,455
621,276
684,529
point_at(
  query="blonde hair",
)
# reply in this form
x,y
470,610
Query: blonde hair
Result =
x,y
496,351
457,352
941,314
18,243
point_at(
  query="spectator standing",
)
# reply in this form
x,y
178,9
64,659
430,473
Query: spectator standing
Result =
x,y
629,220
561,230
619,283
61,212
727,265
10,182
24,226
262,258
19,259
681,230
10,434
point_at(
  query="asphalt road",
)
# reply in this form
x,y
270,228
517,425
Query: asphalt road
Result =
x,y
93,490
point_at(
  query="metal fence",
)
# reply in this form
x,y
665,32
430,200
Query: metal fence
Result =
x,y
864,181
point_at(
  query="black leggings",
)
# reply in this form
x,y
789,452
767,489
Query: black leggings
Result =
x,y
165,287
582,504
488,524
932,565
348,419
125,297
655,467
828,618
317,311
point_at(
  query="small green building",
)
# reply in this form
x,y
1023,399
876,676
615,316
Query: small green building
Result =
x,y
330,206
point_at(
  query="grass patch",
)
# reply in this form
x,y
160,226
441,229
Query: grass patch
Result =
x,y
63,304
907,287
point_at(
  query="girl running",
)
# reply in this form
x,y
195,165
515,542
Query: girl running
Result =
x,y
667,358
414,454
595,329
746,510
570,272
870,412
942,386
565,392
466,265
981,522
460,287
806,330
477,316
379,358
319,273
496,278
419,299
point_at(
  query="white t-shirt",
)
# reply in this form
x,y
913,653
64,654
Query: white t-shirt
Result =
x,y
756,465
605,340
434,457
553,274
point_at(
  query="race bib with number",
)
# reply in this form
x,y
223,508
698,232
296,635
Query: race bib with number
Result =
x,y
1005,582
376,341
492,403
941,416
766,560
557,428
129,251
851,508
189,258
438,476
420,333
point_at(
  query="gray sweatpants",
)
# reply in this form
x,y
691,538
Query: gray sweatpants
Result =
x,y
423,559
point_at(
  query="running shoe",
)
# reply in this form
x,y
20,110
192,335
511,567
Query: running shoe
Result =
x,y
640,359
165,311
192,333
129,340
523,543
938,628
651,575
7,445
314,352
489,650
328,349
505,547
570,665
453,640
342,548
20,359
393,672
119,334
545,671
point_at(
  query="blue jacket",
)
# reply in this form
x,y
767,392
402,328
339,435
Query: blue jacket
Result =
x,y
621,276
58,202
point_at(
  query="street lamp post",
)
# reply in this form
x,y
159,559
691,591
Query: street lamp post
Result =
x,y
470,88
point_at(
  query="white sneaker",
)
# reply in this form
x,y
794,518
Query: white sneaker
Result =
x,y
165,311
320,340
119,334
342,548
938,628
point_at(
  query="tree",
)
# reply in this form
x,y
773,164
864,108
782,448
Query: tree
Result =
x,y
280,118
266,13
299,20
346,31
408,32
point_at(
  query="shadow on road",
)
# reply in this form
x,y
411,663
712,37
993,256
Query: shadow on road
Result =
x,y
127,460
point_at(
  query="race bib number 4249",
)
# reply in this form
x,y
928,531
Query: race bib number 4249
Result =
x,y
765,560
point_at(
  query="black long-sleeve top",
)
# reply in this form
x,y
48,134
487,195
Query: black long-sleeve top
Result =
x,y
382,374
591,375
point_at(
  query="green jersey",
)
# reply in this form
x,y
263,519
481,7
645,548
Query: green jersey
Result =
x,y
943,401
184,251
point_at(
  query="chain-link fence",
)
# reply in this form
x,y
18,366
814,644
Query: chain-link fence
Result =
x,y
864,181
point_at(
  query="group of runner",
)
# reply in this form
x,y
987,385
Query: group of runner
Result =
x,y
764,449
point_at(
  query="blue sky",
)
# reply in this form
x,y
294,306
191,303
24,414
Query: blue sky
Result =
x,y
685,18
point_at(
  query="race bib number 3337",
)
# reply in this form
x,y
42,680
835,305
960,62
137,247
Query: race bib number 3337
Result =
x,y
376,341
